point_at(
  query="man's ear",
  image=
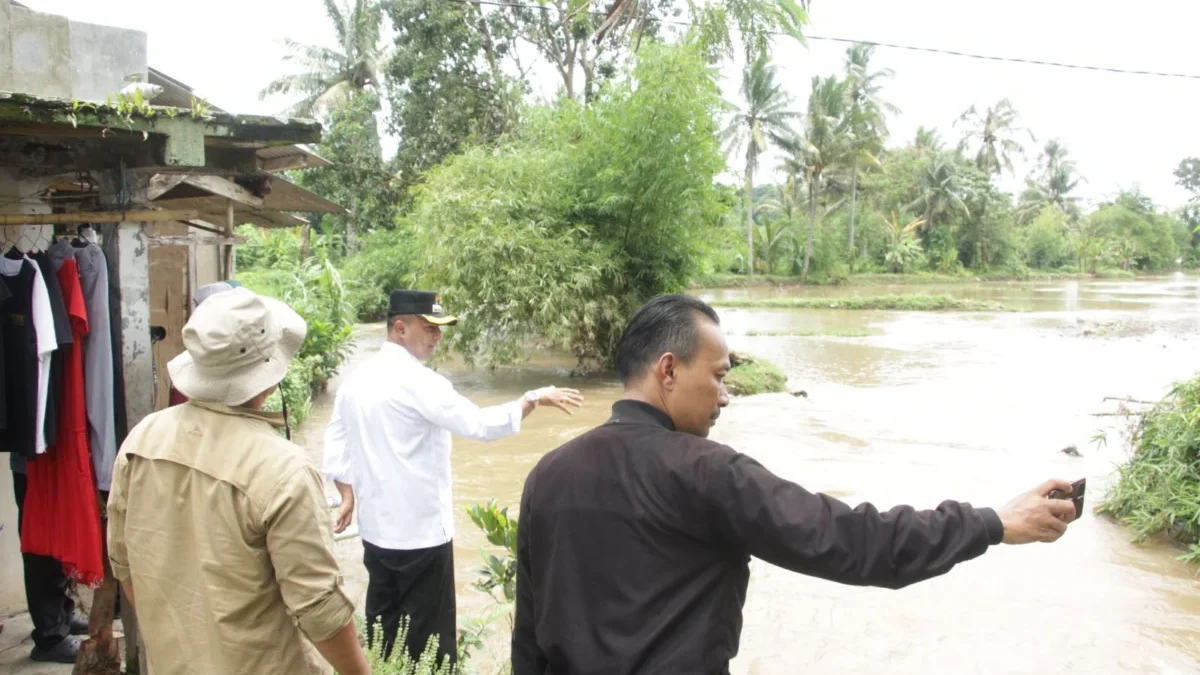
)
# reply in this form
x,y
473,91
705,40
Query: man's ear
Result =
x,y
664,368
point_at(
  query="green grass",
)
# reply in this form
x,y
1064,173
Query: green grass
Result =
x,y
1157,492
914,278
834,332
752,375
906,303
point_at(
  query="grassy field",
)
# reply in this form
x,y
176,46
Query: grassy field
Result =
x,y
876,279
905,303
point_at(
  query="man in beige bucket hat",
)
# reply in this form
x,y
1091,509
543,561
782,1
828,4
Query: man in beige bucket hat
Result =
x,y
218,527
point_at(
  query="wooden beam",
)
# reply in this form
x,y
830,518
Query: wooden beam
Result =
x,y
189,239
95,217
223,187
160,184
287,163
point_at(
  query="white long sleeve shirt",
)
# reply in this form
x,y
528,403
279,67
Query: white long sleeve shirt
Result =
x,y
47,340
389,438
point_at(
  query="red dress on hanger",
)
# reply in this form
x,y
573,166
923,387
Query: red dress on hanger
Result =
x,y
62,513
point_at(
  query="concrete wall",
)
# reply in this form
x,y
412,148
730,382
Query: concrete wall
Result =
x,y
6,48
101,58
50,56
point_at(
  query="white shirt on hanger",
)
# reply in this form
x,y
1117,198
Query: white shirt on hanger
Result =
x,y
389,438
47,340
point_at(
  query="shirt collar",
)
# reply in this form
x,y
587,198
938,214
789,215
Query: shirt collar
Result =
x,y
272,418
396,350
628,411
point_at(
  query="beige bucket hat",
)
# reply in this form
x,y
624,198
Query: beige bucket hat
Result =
x,y
239,344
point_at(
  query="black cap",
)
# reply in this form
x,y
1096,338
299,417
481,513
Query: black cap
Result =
x,y
421,303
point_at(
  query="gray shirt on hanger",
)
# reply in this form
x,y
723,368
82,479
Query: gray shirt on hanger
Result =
x,y
97,356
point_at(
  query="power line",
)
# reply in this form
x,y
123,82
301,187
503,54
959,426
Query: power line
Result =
x,y
891,45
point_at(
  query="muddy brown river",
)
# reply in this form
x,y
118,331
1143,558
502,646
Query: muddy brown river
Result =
x,y
924,407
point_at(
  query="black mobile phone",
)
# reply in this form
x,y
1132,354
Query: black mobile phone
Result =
x,y
1078,488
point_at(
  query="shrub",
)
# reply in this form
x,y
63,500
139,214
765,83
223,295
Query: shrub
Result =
x,y
1158,488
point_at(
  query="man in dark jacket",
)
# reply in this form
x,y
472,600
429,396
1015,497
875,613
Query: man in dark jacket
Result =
x,y
635,538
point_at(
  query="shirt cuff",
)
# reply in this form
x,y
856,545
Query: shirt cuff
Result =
x,y
515,415
995,528
120,572
323,619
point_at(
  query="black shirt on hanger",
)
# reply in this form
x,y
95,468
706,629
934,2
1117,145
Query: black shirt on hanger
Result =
x,y
20,364
4,296
62,331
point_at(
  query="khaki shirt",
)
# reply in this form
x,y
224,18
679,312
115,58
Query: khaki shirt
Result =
x,y
222,528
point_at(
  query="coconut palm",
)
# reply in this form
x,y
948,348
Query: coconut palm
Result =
x,y
927,140
991,137
824,145
867,116
764,121
1052,186
327,75
942,191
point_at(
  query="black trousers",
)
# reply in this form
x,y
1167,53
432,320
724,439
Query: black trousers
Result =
x,y
46,585
419,585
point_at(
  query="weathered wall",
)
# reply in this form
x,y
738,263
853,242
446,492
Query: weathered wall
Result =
x,y
6,83
41,53
50,56
101,58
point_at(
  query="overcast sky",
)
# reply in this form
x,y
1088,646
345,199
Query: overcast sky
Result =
x,y
1122,130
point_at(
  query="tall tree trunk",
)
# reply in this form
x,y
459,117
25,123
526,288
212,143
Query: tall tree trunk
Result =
x,y
813,190
750,219
853,200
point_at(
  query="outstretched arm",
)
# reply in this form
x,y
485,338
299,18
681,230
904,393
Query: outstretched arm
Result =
x,y
814,534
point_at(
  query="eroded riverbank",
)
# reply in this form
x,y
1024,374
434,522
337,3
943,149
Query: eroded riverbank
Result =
x,y
914,409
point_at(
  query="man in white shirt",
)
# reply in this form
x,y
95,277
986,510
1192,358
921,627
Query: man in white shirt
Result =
x,y
388,446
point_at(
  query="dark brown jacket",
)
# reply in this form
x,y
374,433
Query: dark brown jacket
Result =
x,y
634,543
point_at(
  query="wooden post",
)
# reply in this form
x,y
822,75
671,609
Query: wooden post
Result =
x,y
230,251
127,248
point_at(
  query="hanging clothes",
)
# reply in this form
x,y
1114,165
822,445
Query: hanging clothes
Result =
x,y
117,392
97,353
5,294
61,516
62,332
29,340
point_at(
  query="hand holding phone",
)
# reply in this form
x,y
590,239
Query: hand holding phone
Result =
x,y
1078,488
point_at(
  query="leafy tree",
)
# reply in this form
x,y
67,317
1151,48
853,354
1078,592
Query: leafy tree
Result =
x,y
561,231
445,81
764,121
329,76
941,191
1046,245
991,136
867,117
1052,186
358,178
579,37
824,145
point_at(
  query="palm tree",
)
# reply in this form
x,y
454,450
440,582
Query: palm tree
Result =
x,y
942,191
927,140
993,137
764,121
1053,186
824,145
867,116
329,74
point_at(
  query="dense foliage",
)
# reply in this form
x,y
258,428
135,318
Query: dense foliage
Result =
x,y
552,238
1158,489
316,291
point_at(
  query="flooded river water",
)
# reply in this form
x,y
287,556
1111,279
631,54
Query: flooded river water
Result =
x,y
924,407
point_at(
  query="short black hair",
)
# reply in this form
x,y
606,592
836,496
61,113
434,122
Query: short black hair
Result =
x,y
667,323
